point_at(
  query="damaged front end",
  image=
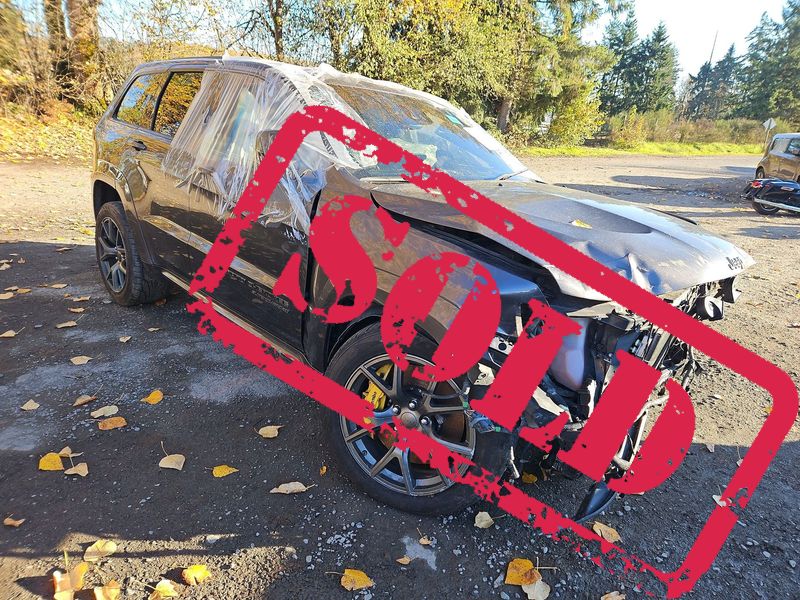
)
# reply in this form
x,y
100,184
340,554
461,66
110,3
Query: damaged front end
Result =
x,y
584,368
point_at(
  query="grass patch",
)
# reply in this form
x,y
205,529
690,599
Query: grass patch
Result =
x,y
59,133
648,148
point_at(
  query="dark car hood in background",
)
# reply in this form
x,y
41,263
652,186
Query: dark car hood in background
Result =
x,y
658,252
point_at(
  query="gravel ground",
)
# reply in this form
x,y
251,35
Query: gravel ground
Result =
x,y
261,545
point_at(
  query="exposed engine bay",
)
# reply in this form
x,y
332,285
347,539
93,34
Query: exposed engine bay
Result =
x,y
584,367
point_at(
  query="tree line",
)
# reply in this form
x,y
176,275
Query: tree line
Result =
x,y
520,67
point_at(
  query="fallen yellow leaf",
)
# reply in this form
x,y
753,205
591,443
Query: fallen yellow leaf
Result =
x,y
607,533
81,469
195,574
353,579
58,286
323,469
80,360
172,461
65,584
223,471
521,571
269,431
66,324
529,478
425,541
125,339
51,462
66,452
293,487
110,591
613,596
404,560
9,334
83,399
23,291
81,298
100,549
30,405
105,411
9,522
483,520
154,397
76,310
6,295
111,423
164,589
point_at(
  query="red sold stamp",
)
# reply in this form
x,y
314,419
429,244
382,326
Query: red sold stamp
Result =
x,y
514,385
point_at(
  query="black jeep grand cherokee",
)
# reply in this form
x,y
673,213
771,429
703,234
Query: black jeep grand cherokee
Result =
x,y
180,142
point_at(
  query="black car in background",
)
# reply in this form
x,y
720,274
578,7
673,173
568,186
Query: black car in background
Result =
x,y
177,146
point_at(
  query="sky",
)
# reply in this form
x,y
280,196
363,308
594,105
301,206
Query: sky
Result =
x,y
692,25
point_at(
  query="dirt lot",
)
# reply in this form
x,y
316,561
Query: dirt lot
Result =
x,y
261,545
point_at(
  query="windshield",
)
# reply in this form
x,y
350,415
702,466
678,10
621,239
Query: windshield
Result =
x,y
436,135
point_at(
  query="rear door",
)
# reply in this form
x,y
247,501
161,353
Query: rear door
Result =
x,y
776,155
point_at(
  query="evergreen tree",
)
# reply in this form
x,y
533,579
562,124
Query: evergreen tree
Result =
x,y
785,98
657,72
761,69
712,92
621,40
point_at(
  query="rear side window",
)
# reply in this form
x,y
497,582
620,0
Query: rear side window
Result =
x,y
175,101
140,100
794,147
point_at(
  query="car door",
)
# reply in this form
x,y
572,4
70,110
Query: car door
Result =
x,y
790,163
162,215
224,124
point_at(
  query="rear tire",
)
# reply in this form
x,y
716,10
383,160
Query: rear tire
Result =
x,y
763,209
490,450
127,279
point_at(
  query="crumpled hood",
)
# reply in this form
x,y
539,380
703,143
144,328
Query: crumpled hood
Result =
x,y
657,251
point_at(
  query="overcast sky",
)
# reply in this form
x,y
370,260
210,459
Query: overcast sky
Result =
x,y
692,25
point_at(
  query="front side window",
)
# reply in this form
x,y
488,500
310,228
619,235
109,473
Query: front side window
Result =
x,y
781,144
175,101
794,147
140,100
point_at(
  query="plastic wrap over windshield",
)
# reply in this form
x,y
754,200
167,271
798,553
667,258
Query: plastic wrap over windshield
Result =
x,y
230,124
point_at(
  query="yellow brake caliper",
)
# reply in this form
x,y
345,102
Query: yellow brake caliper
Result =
x,y
374,395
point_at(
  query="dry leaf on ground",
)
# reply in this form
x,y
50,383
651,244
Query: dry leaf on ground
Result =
x,y
483,520
195,574
65,584
293,487
6,295
80,360
76,310
537,591
110,591
172,461
100,549
9,522
164,589
125,339
66,324
353,579
81,298
153,329
154,397
719,501
710,448
529,478
521,571
613,596
607,533
269,431
23,291
111,423
30,405
66,452
83,399
81,469
51,462
105,411
404,560
58,286
9,334
425,541
223,470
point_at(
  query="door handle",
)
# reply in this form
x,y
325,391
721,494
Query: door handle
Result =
x,y
138,145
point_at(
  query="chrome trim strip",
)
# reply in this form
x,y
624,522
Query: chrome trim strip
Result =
x,y
182,234
778,205
240,322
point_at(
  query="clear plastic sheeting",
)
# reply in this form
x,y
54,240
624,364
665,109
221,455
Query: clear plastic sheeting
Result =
x,y
243,102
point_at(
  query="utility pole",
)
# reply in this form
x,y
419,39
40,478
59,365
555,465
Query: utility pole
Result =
x,y
713,47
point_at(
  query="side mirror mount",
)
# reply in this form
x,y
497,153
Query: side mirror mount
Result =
x,y
264,140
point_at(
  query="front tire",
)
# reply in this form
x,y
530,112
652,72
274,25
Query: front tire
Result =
x,y
372,461
127,279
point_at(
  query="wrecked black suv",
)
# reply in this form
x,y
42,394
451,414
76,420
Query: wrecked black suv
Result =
x,y
177,147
